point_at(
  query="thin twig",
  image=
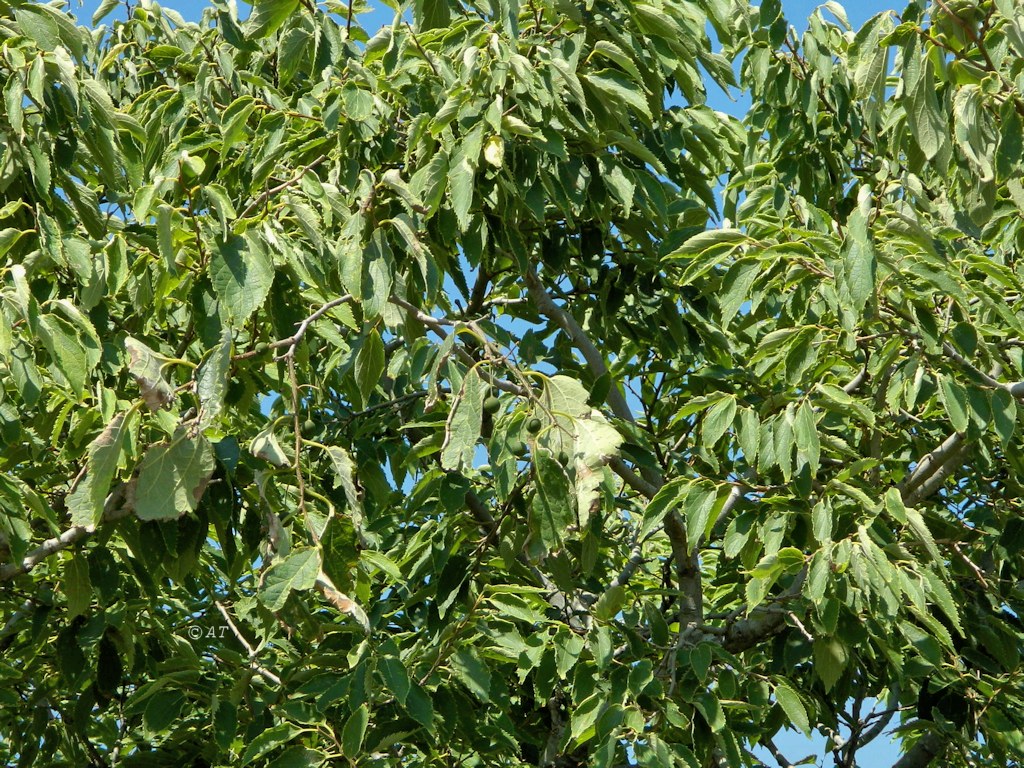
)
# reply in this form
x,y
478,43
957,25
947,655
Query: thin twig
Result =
x,y
263,198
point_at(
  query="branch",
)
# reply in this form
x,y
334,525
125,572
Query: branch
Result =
x,y
930,464
686,558
927,748
768,744
634,481
292,341
245,644
764,622
115,508
437,325
263,198
565,321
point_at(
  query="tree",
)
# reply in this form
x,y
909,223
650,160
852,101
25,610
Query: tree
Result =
x,y
409,400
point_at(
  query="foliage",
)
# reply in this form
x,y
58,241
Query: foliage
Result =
x,y
407,400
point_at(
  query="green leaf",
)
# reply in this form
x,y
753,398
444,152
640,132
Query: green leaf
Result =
x,y
716,421
667,498
269,740
369,365
146,369
344,470
266,446
395,677
921,532
162,710
553,510
462,173
420,707
354,731
77,585
173,477
610,603
472,673
428,183
940,593
462,430
38,26
212,377
431,14
830,659
267,17
954,398
791,704
297,572
1004,416
340,546
859,253
924,116
698,504
65,349
608,84
87,500
242,272
612,52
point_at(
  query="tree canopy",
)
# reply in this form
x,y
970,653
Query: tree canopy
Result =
x,y
472,394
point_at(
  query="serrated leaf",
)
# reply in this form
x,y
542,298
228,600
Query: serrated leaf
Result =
x,y
145,368
212,377
667,498
553,510
267,17
87,500
344,470
77,585
395,676
462,429
265,446
269,740
241,272
462,173
173,477
698,504
613,85
717,420
472,673
830,658
340,546
296,572
1004,416
791,704
944,599
369,365
954,398
428,183
920,530
65,348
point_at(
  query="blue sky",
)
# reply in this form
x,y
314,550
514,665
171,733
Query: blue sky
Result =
x,y
793,745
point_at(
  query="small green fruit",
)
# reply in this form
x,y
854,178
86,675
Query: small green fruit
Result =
x,y
563,458
492,404
308,427
533,426
262,347
517,447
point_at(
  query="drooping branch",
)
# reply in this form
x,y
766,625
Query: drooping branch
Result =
x,y
115,508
